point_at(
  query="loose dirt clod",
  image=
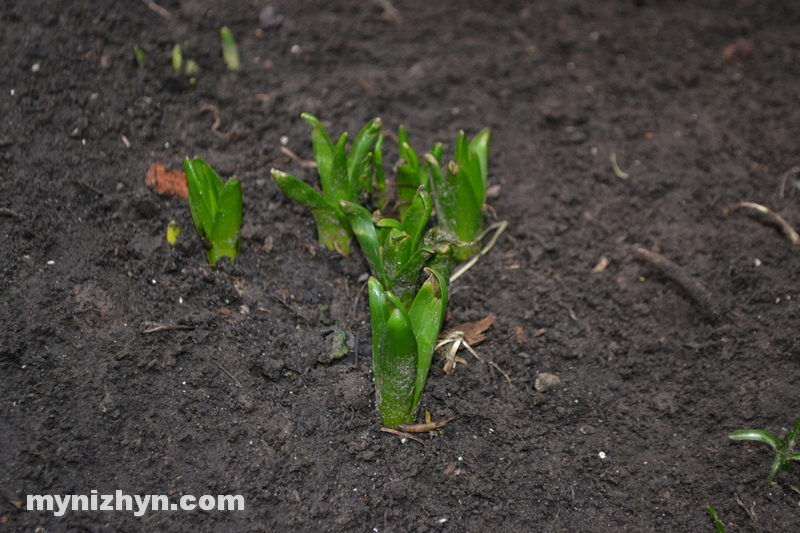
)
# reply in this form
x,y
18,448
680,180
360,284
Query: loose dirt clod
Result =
x,y
544,382
167,183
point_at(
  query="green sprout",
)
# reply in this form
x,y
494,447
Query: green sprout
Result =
x,y
460,194
138,56
396,251
409,173
718,525
402,345
216,209
230,52
781,448
177,58
342,175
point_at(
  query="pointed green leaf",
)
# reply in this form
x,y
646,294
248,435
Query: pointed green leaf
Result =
x,y
426,315
201,215
362,145
436,152
755,435
407,279
364,229
396,251
299,191
323,150
417,216
379,316
230,52
340,187
398,364
480,147
382,199
225,236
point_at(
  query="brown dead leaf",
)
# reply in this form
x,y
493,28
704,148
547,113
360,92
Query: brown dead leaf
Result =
x,y
520,336
474,331
167,183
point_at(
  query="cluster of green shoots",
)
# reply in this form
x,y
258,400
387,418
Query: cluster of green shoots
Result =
x,y
782,448
410,261
409,258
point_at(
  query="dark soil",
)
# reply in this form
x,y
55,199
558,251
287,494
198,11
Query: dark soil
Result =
x,y
237,400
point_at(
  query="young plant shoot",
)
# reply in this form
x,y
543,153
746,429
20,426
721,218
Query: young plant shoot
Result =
x,y
230,52
410,176
781,448
402,345
460,193
216,209
342,175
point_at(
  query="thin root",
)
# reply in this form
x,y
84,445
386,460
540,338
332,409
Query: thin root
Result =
x,y
238,384
153,327
214,110
499,228
424,428
402,435
771,217
294,157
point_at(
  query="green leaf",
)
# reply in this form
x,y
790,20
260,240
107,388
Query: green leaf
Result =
x,y
362,145
323,150
480,147
299,191
340,187
718,525
382,199
138,56
202,216
756,435
396,251
398,364
426,315
177,58
379,316
225,235
436,152
230,52
364,229
417,216
406,280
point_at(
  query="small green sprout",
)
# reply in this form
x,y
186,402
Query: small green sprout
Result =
x,y
718,525
396,251
409,173
781,448
342,175
230,52
138,56
177,58
460,193
402,345
216,209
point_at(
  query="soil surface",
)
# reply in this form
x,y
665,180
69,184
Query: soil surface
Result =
x,y
126,364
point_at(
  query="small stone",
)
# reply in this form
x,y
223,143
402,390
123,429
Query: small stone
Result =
x,y
545,382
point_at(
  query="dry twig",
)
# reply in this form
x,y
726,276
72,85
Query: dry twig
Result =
x,y
691,287
158,9
214,110
153,327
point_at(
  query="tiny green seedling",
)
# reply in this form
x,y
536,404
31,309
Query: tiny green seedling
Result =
x,y
342,175
230,52
216,209
781,448
177,58
718,525
396,251
402,345
138,56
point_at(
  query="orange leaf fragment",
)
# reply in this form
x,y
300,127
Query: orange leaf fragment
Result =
x,y
474,331
167,183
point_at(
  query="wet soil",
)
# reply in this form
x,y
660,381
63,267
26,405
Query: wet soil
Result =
x,y
128,365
